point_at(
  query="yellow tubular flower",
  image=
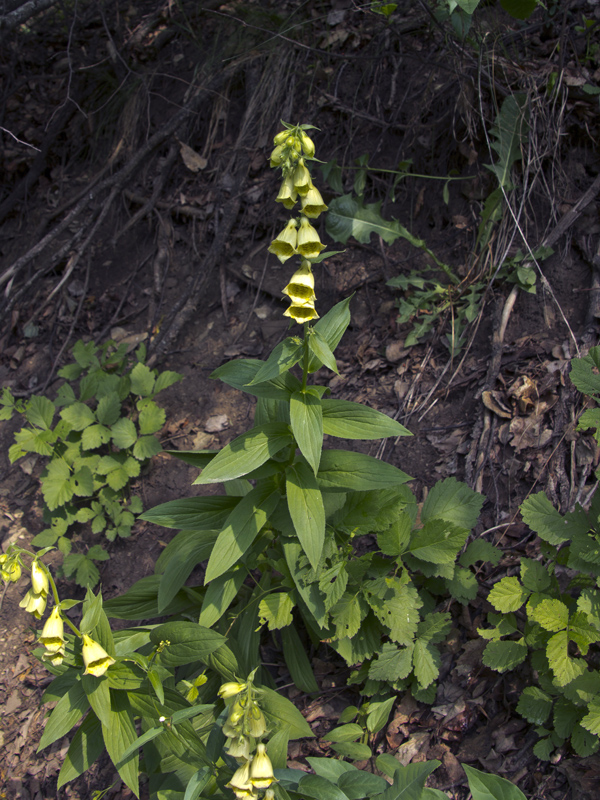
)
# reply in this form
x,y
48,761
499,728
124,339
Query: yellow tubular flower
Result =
x,y
302,181
309,245
239,748
287,193
240,782
39,579
301,314
261,769
301,288
312,203
52,636
255,724
95,657
56,658
284,246
34,604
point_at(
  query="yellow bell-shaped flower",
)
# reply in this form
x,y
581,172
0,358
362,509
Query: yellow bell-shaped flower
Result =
x,y
34,603
239,748
39,578
301,314
302,179
261,769
95,657
52,636
301,288
240,782
255,724
308,244
287,192
284,246
312,203
56,658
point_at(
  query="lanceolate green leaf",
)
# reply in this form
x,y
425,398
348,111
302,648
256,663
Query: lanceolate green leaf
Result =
x,y
282,358
491,787
195,550
243,525
98,694
220,594
297,661
284,713
306,419
118,736
87,745
344,469
305,504
350,420
67,712
192,513
242,372
331,328
321,350
246,452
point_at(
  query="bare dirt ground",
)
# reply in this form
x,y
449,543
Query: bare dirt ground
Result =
x,y
178,254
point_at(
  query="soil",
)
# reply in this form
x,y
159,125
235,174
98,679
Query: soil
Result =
x,y
375,87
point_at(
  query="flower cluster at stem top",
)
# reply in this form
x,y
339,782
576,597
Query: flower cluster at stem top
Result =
x,y
245,725
293,147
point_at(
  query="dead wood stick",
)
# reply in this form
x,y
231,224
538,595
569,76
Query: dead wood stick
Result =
x,y
12,20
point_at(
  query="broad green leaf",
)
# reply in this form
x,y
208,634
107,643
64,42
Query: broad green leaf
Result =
x,y
519,9
67,712
56,484
306,418
503,655
284,714
151,418
78,416
344,469
394,540
454,502
331,328
142,380
434,627
438,541
508,595
356,785
276,610
82,482
550,614
246,452
39,411
108,409
124,434
565,716
297,661
146,447
282,358
220,593
535,705
350,420
508,135
541,516
92,611
426,663
192,513
118,736
188,642
392,663
85,748
484,786
344,733
319,348
468,6
330,768
320,788
357,751
95,436
242,527
564,667
305,504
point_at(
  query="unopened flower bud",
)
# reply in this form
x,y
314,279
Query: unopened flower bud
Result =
x,y
261,769
53,632
10,569
284,246
276,156
308,244
280,138
307,145
231,689
95,657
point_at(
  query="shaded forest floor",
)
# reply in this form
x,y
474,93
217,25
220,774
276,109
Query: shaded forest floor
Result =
x,y
111,227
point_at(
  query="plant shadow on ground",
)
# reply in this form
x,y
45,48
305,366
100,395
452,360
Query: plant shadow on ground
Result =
x,y
385,102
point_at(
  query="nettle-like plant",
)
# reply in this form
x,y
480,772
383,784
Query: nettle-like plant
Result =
x,y
288,538
101,441
550,612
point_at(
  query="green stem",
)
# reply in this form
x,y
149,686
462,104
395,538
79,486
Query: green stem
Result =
x,y
306,357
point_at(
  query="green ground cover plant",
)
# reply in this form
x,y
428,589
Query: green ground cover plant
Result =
x,y
103,437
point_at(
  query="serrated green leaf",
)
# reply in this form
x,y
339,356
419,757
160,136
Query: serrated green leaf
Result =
x,y
582,632
56,484
584,742
392,663
142,380
544,749
541,516
503,655
394,540
535,705
82,482
534,576
151,418
564,667
426,663
438,541
146,447
166,379
347,614
565,717
95,436
454,502
78,416
396,608
508,595
275,610
435,627
108,409
463,586
552,615
124,433
480,550
39,411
